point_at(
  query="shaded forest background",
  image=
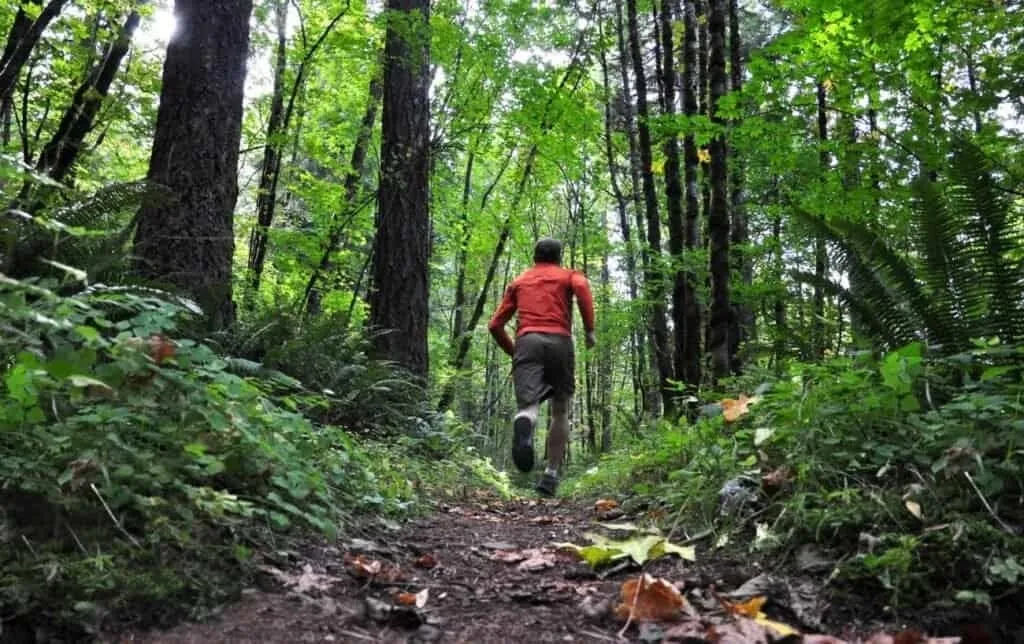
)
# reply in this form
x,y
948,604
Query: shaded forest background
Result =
x,y
249,247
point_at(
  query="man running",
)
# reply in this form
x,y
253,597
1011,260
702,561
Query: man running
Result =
x,y
543,357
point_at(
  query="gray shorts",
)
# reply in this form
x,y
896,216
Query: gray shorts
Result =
x,y
543,366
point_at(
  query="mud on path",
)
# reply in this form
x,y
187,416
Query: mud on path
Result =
x,y
482,571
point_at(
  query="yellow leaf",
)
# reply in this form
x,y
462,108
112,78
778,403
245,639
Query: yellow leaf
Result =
x,y
914,508
749,608
703,155
828,84
658,167
780,628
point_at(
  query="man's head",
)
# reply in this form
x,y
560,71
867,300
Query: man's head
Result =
x,y
547,251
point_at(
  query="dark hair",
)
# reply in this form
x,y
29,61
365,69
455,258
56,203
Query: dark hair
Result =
x,y
548,250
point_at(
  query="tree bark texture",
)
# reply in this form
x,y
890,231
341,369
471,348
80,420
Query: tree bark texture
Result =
x,y
647,369
270,172
24,35
743,319
820,251
686,284
653,279
718,216
189,243
673,194
399,301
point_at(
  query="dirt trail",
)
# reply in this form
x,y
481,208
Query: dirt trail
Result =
x,y
467,562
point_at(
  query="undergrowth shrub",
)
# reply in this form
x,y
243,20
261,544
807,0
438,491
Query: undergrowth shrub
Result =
x,y
368,396
140,471
912,465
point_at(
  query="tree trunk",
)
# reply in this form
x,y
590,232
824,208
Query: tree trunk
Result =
x,y
779,309
648,370
743,319
60,153
686,283
718,217
820,256
349,207
270,172
21,40
653,280
189,243
399,302
621,204
673,193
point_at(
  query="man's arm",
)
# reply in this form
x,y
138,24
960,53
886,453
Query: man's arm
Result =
x,y
501,317
585,301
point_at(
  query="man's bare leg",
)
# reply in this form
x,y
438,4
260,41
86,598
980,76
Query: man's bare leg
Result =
x,y
522,436
558,435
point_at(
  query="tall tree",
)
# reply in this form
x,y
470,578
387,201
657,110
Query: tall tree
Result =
x,y
743,319
718,215
63,148
647,366
820,251
280,119
686,284
399,302
653,279
673,194
22,38
189,243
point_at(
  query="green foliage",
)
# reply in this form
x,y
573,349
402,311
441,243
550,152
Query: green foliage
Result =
x,y
137,483
923,455
961,280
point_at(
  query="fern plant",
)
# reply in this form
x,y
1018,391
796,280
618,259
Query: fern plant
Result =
x,y
961,280
87,231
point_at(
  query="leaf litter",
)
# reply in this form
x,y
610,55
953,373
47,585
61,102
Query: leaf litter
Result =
x,y
491,589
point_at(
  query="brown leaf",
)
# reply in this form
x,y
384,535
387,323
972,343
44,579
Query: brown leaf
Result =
x,y
733,410
778,478
650,599
538,560
604,505
427,562
407,599
361,566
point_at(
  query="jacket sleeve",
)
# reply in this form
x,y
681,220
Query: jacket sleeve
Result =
x,y
584,299
501,317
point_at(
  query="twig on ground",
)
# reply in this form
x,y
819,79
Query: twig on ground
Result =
x,y
358,636
77,540
29,545
595,635
110,513
988,507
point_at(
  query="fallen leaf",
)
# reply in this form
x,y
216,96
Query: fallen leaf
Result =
x,y
779,628
734,409
305,581
498,545
778,478
914,508
427,562
647,598
640,549
539,560
406,599
603,505
750,608
360,566
688,553
508,556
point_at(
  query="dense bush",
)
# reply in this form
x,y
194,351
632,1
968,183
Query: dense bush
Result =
x,y
924,456
135,465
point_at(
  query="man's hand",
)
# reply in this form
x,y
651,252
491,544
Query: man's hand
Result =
x,y
591,339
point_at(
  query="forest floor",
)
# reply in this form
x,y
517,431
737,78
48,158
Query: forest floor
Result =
x,y
485,570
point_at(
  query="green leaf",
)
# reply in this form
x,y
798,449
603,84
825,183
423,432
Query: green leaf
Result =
x,y
86,381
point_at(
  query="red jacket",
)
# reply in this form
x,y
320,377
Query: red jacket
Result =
x,y
543,297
